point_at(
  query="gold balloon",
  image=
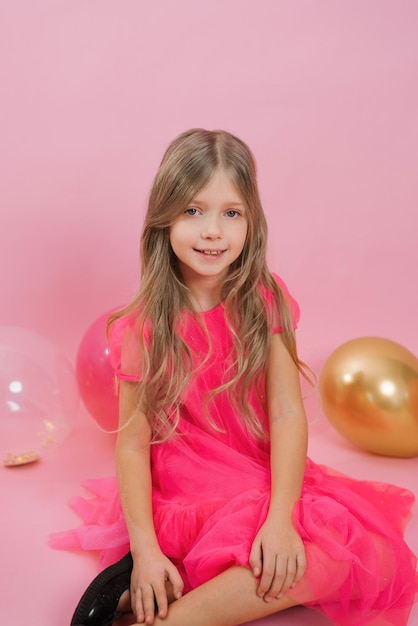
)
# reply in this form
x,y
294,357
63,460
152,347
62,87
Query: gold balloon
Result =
x,y
369,392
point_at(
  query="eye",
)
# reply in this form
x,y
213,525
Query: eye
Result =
x,y
232,213
191,211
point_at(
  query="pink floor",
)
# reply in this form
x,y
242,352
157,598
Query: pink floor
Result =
x,y
40,587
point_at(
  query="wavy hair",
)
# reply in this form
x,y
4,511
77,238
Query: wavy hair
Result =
x,y
187,166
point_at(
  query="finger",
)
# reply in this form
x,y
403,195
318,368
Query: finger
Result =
x,y
160,599
284,578
148,602
176,582
137,606
301,567
277,579
267,575
294,572
255,560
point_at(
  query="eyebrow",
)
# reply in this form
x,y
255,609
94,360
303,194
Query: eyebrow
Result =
x,y
228,203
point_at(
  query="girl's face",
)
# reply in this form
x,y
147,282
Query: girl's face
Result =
x,y
210,234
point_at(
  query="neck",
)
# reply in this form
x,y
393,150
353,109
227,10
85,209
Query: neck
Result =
x,y
205,295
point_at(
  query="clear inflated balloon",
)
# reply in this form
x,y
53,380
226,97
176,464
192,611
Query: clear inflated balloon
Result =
x,y
369,392
38,396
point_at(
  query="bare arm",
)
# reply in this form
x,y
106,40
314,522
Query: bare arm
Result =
x,y
133,470
151,568
288,428
278,553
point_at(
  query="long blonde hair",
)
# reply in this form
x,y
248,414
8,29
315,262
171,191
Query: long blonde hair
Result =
x,y
188,165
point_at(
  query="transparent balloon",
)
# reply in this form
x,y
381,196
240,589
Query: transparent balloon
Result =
x,y
39,397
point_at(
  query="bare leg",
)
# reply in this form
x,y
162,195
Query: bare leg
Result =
x,y
124,604
227,600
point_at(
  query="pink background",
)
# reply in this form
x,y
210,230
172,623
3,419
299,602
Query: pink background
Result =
x,y
326,95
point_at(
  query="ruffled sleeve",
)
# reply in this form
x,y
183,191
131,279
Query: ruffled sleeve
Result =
x,y
291,303
124,349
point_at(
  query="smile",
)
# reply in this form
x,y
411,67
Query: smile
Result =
x,y
211,252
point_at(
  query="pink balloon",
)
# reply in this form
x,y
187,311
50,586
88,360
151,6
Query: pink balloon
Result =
x,y
95,376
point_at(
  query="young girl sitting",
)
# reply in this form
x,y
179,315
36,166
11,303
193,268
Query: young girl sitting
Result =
x,y
223,517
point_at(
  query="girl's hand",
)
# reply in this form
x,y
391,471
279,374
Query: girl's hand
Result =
x,y
153,576
277,557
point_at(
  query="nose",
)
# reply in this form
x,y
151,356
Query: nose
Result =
x,y
211,228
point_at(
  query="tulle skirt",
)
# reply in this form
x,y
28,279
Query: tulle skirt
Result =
x,y
359,568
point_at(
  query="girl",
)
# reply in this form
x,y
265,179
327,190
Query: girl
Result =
x,y
225,518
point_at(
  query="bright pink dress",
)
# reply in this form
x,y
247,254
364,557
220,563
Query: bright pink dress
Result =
x,y
211,495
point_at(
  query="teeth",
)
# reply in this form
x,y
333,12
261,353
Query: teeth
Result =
x,y
212,252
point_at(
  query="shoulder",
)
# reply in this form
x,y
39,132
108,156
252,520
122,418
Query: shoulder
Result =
x,y
289,302
124,347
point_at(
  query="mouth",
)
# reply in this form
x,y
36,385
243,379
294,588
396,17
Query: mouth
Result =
x,y
210,252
